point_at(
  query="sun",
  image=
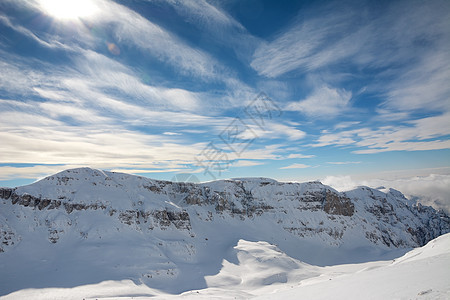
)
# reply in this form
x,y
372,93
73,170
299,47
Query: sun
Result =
x,y
69,9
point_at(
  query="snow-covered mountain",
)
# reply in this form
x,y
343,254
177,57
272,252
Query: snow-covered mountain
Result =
x,y
85,226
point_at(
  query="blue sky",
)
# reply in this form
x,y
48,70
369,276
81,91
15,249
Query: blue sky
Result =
x,y
292,90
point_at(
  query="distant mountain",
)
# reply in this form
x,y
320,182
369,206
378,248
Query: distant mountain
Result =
x,y
84,226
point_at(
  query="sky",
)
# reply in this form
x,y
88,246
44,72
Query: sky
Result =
x,y
338,91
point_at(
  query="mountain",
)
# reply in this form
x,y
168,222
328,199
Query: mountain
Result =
x,y
85,226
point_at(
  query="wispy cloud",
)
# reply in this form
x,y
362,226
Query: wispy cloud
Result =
x,y
33,172
298,155
423,86
119,25
343,162
271,130
247,163
323,102
301,46
88,145
216,26
28,33
421,134
296,166
343,125
345,32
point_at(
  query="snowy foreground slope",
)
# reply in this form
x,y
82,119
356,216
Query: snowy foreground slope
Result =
x,y
87,233
261,271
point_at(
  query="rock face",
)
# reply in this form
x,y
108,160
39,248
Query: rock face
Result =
x,y
304,210
335,204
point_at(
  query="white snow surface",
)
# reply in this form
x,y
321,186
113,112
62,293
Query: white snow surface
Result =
x,y
258,270
86,233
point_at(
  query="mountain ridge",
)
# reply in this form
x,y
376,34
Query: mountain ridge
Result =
x,y
170,228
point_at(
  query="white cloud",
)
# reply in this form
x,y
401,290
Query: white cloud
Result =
x,y
298,155
338,139
425,85
343,162
144,171
340,183
34,172
431,189
29,34
46,141
59,110
130,27
249,130
343,125
406,146
269,152
416,64
294,48
337,32
394,138
323,102
216,25
296,166
247,163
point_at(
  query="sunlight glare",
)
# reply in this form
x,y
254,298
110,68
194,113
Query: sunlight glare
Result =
x,y
69,9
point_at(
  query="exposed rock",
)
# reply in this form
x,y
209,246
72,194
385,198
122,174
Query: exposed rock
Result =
x,y
335,204
8,238
5,193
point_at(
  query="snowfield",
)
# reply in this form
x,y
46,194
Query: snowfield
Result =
x,y
259,270
90,234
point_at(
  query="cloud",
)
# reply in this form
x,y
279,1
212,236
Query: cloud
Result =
x,y
431,190
411,74
101,74
215,25
354,33
33,172
265,152
130,27
125,27
270,130
340,183
98,83
90,117
45,134
323,102
343,125
342,138
421,134
298,155
295,166
247,163
295,48
106,74
424,86
343,162
29,34
145,171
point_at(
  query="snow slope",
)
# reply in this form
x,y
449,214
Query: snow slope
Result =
x,y
423,273
104,234
261,271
